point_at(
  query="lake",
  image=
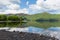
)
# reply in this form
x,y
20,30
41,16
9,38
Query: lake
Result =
x,y
30,23
52,31
46,28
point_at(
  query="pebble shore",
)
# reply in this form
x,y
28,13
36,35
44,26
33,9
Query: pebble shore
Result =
x,y
6,35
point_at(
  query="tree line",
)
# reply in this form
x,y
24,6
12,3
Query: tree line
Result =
x,y
11,18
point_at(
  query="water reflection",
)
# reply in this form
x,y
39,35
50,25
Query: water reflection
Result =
x,y
2,24
54,28
47,32
12,24
30,23
43,24
35,29
46,28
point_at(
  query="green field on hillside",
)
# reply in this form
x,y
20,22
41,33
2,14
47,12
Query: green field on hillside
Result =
x,y
43,15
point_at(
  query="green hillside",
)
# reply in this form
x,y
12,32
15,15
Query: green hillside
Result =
x,y
43,15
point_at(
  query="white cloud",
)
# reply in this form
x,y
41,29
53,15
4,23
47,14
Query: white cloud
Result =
x,y
24,10
5,2
47,5
52,4
8,4
39,2
15,11
34,7
13,6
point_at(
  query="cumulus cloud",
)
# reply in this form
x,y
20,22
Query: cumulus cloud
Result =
x,y
8,6
34,7
46,5
39,2
37,6
5,2
49,4
12,6
15,11
52,4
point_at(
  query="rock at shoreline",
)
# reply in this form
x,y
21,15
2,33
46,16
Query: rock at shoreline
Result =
x,y
6,35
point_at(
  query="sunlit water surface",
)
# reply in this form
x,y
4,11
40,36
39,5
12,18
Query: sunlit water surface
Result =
x,y
52,31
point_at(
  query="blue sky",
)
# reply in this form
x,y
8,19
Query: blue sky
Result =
x,y
24,5
29,6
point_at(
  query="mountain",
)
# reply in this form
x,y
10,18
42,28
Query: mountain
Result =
x,y
18,14
43,15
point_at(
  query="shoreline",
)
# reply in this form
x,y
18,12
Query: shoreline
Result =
x,y
4,35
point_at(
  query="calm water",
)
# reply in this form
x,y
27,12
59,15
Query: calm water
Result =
x,y
31,23
45,28
52,31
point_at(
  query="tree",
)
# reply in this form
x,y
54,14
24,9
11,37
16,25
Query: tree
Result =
x,y
3,18
13,18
